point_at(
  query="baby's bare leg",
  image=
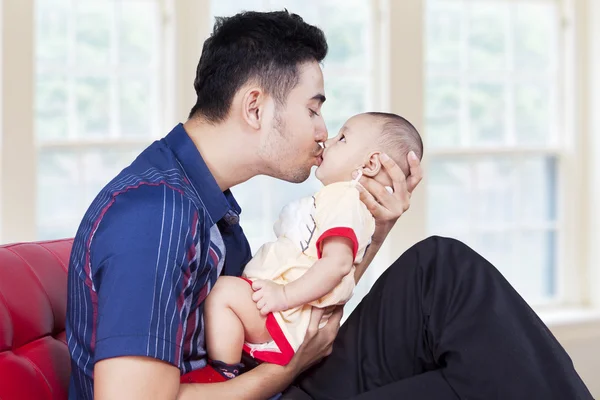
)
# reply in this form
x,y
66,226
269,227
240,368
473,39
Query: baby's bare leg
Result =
x,y
231,317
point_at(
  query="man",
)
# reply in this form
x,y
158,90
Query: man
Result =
x,y
441,323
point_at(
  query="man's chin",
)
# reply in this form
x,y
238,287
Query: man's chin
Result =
x,y
295,176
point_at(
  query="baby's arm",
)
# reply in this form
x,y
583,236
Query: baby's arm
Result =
x,y
324,275
321,278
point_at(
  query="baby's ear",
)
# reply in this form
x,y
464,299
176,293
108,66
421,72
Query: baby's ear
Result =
x,y
372,164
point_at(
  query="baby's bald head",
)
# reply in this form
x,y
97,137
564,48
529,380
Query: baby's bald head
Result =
x,y
398,137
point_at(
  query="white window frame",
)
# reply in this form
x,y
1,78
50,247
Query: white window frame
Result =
x,y
401,92
563,151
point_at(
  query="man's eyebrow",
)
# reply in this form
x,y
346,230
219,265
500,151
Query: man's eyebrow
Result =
x,y
320,97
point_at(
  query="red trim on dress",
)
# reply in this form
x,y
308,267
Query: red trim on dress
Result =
x,y
339,231
286,351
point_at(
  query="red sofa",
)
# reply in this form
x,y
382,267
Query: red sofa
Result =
x,y
34,358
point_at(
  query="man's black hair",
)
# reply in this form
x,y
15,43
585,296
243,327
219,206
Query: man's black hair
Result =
x,y
266,47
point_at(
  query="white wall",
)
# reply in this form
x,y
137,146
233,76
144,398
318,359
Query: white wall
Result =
x,y
582,343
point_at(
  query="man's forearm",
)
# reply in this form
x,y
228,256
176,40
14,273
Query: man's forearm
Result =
x,y
261,383
367,259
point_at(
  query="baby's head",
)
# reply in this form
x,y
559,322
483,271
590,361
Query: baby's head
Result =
x,y
360,142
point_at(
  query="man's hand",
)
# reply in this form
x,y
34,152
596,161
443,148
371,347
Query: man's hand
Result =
x,y
387,207
318,343
269,296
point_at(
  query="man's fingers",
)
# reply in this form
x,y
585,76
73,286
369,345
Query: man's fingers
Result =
x,y
416,172
394,171
372,204
260,304
376,189
315,319
336,318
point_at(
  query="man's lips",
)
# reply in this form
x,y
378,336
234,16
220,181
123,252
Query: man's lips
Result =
x,y
319,156
319,160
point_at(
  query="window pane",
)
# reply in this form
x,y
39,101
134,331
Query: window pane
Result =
x,y
495,192
504,207
59,205
345,98
93,106
347,34
135,106
51,107
534,272
443,30
487,35
449,195
508,85
534,119
487,113
51,35
526,259
537,180
443,112
97,78
137,36
93,22
535,43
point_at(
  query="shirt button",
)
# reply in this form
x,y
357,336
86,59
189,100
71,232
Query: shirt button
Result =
x,y
232,218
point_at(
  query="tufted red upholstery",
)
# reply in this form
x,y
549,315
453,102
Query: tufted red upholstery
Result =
x,y
34,359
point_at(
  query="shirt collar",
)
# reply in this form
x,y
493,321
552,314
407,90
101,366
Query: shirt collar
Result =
x,y
217,203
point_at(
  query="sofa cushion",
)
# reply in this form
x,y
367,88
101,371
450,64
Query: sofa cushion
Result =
x,y
34,359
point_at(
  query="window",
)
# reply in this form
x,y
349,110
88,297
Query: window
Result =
x,y
496,134
98,76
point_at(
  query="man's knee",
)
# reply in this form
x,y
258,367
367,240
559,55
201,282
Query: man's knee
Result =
x,y
435,242
443,254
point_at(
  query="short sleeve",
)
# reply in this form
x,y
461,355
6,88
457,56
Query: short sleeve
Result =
x,y
139,256
340,212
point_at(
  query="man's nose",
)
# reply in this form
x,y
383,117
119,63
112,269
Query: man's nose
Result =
x,y
321,134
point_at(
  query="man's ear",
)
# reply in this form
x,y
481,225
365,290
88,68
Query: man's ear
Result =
x,y
253,107
372,164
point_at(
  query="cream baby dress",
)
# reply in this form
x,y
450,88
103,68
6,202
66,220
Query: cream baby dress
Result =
x,y
336,210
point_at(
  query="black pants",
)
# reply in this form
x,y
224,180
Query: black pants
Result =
x,y
443,323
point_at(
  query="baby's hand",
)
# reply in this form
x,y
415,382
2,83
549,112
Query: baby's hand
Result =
x,y
269,296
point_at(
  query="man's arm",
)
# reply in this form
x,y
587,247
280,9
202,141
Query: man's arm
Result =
x,y
367,259
387,207
147,378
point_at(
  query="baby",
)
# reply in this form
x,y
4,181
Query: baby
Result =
x,y
320,239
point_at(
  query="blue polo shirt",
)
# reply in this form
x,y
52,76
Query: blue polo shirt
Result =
x,y
146,255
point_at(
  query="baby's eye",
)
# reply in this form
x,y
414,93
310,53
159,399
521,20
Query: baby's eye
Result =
x,y
343,139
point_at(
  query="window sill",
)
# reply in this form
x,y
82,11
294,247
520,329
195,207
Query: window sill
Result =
x,y
565,316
